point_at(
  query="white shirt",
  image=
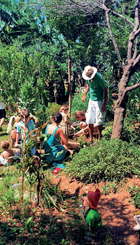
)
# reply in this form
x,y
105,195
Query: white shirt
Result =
x,y
2,106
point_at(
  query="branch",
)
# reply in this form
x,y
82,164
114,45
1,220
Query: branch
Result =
x,y
112,36
136,48
123,17
136,61
134,35
116,14
137,33
127,90
91,24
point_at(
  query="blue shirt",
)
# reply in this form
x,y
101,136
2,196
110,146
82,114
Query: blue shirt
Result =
x,y
30,126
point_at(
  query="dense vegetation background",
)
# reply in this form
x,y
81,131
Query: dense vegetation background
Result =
x,y
37,39
36,44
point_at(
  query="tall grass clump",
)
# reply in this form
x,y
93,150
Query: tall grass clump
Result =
x,y
108,160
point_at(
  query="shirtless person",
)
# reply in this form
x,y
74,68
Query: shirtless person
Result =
x,y
6,156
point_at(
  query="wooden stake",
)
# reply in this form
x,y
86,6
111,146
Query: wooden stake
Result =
x,y
69,80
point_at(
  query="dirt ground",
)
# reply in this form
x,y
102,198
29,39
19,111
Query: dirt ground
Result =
x,y
116,209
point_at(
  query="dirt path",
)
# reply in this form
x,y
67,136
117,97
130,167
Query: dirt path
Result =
x,y
116,209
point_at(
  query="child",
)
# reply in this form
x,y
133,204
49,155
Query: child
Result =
x,y
27,126
81,116
4,157
13,134
65,123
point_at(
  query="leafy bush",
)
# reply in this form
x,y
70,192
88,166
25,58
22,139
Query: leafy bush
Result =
x,y
53,108
106,133
131,133
78,104
135,194
108,160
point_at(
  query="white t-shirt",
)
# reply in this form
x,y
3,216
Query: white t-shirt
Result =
x,y
3,161
2,106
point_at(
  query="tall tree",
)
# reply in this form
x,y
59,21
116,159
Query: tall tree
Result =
x,y
110,10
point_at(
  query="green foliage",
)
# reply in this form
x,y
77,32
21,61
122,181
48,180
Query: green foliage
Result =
x,y
111,187
106,133
29,225
135,194
131,133
23,83
52,109
7,194
78,104
51,195
133,105
108,160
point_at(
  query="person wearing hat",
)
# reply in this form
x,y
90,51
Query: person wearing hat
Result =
x,y
97,87
92,217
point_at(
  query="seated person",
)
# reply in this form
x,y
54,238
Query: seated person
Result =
x,y
81,116
17,119
53,149
26,124
65,123
24,127
4,157
13,135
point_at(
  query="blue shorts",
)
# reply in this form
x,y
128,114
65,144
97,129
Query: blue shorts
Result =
x,y
2,113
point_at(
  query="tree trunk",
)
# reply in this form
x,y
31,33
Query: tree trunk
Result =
x,y
69,80
120,109
118,122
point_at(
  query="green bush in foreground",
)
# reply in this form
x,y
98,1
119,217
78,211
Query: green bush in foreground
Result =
x,y
108,160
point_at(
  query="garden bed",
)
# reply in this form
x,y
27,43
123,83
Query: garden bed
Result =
x,y
36,223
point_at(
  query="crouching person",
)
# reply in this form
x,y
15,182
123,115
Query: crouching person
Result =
x,y
92,217
8,155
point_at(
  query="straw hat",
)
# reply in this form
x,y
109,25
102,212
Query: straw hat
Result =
x,y
89,72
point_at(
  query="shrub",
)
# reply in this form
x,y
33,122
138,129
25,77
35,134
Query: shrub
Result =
x,y
131,133
135,194
53,108
108,160
78,104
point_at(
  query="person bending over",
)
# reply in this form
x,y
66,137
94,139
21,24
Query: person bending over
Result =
x,y
81,116
97,87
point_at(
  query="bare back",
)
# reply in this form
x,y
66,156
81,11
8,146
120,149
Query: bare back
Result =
x,y
6,154
51,129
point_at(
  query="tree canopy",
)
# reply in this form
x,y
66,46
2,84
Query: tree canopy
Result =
x,y
103,33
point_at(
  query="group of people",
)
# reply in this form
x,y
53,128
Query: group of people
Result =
x,y
92,120
22,126
57,145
